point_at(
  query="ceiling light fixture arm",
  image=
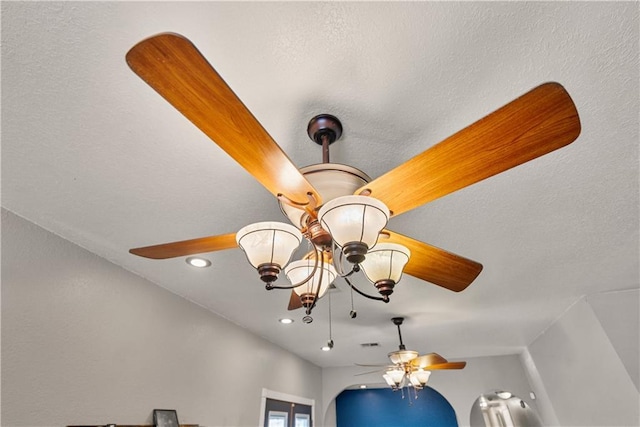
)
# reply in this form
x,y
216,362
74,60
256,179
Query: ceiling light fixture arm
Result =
x,y
383,298
318,254
338,263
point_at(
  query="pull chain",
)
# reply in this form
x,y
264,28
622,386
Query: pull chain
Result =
x,y
330,336
353,312
330,342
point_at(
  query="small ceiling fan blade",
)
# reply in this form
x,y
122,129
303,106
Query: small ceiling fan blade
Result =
x,y
448,365
534,124
421,362
175,68
372,372
372,366
187,247
436,265
294,302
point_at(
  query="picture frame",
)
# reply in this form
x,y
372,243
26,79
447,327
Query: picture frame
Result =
x,y
165,418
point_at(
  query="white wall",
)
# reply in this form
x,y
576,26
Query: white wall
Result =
x,y
545,408
461,388
581,372
86,342
619,316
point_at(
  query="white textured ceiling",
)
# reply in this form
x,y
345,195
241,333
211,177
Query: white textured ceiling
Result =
x,y
93,154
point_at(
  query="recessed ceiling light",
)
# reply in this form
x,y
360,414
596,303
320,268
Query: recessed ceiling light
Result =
x,y
286,321
198,262
363,386
504,394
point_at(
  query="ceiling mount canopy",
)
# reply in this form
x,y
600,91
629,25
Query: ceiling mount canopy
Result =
x,y
337,208
324,128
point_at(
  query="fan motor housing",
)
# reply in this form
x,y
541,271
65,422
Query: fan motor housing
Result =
x,y
331,180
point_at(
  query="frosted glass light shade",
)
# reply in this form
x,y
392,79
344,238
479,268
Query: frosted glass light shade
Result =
x,y
297,271
419,378
402,356
396,375
385,262
269,242
354,219
389,380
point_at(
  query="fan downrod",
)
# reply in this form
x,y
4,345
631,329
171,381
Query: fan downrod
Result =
x,y
398,321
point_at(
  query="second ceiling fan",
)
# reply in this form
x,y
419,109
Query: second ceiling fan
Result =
x,y
338,208
408,368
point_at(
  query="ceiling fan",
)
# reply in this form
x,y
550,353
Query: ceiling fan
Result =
x,y
408,368
338,208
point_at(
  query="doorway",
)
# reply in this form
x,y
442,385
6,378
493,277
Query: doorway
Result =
x,y
283,410
279,413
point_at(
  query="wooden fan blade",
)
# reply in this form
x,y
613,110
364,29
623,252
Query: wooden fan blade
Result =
x,y
535,124
294,301
436,265
421,362
448,365
187,247
175,68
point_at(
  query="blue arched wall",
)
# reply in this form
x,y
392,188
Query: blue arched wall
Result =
x,y
382,407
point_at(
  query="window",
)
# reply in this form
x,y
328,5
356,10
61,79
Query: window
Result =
x,y
302,420
278,419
